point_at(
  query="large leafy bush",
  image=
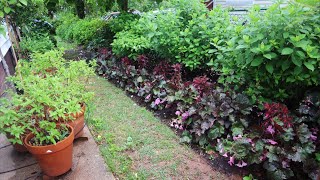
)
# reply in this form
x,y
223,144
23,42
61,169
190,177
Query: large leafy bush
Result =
x,y
81,31
105,35
276,55
85,30
199,41
158,31
65,23
152,32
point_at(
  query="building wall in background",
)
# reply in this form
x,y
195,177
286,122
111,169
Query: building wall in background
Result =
x,y
6,50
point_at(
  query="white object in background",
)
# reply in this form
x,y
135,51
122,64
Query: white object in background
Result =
x,y
5,43
239,2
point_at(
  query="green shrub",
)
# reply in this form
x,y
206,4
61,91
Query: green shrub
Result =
x,y
188,9
276,55
85,30
37,43
105,35
158,31
129,43
80,31
152,32
199,41
123,22
64,24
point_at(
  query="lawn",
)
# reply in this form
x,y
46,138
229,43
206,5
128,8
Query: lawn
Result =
x,y
135,144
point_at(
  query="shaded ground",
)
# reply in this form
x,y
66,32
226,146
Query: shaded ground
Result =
x,y
136,145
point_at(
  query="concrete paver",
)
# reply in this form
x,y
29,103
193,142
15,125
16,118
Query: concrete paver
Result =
x,y
88,164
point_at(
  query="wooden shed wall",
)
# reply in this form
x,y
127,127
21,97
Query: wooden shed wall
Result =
x,y
262,3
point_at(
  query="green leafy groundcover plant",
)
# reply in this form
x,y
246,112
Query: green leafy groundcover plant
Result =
x,y
284,141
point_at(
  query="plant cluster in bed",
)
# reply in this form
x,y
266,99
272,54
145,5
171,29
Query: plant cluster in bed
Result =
x,y
262,65
245,89
224,121
272,56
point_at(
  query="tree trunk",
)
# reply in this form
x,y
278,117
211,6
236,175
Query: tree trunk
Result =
x,y
109,4
80,8
123,5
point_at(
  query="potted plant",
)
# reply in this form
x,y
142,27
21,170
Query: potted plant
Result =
x,y
15,118
52,146
62,91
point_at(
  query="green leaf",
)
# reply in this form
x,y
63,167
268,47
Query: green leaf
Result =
x,y
12,1
7,10
24,2
297,61
285,34
257,61
259,146
216,131
270,55
286,51
285,65
297,70
302,44
269,68
241,46
250,177
272,157
303,133
212,51
301,54
309,66
318,157
1,14
139,79
237,129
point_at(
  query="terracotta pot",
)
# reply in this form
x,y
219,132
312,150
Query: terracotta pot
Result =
x,y
77,122
54,160
19,147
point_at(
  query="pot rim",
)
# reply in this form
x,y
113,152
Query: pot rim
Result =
x,y
52,148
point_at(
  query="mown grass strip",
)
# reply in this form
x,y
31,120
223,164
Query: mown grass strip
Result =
x,y
135,144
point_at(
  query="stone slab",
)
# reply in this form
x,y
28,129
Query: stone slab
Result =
x,y
87,162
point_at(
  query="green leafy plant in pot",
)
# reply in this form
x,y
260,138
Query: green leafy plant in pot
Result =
x,y
59,86
15,116
52,146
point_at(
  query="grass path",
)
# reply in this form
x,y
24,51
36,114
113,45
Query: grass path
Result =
x,y
136,145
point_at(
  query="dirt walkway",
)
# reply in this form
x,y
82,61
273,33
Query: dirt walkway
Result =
x,y
136,145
